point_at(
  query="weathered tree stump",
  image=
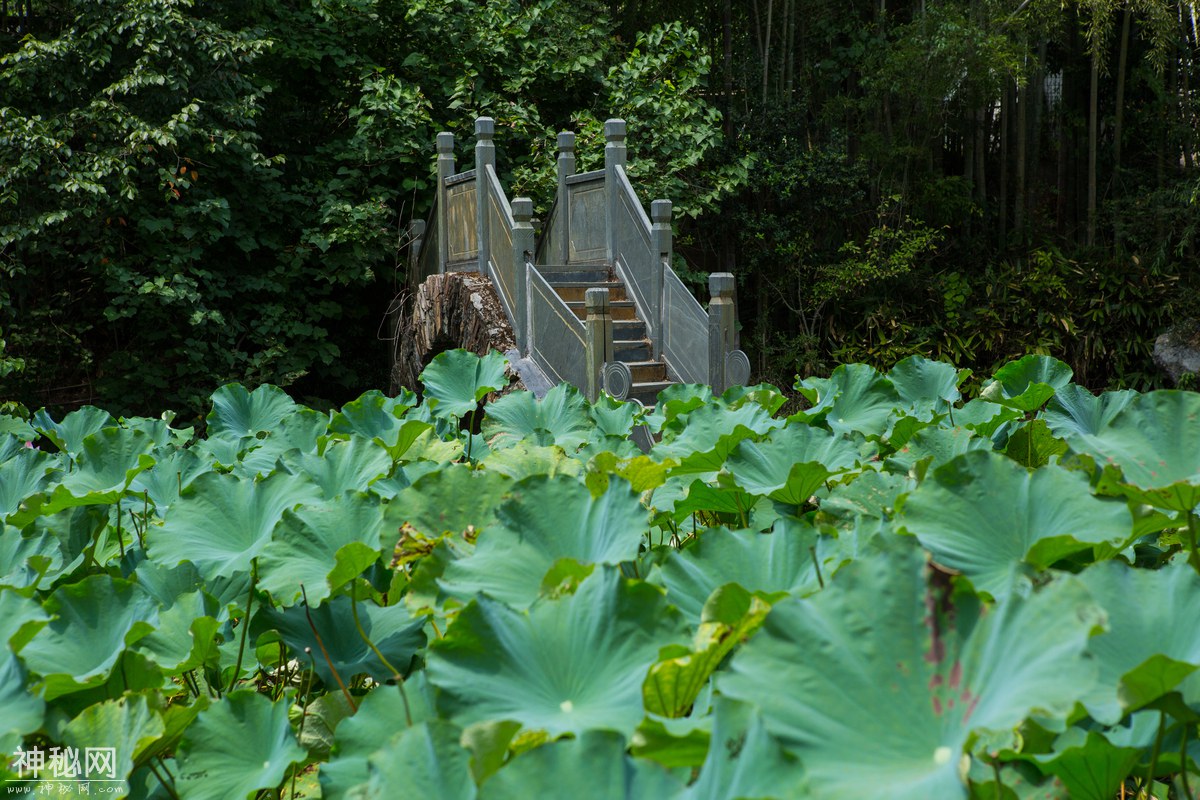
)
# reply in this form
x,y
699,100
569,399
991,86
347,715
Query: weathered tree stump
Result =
x,y
455,309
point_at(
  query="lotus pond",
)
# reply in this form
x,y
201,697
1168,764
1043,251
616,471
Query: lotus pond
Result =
x,y
895,593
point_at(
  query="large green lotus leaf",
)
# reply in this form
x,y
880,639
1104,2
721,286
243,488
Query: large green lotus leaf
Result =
x,y
11,446
926,387
391,629
1152,643
744,760
879,691
69,434
342,466
548,519
934,446
19,615
78,531
185,635
675,742
724,498
128,725
23,710
870,495
300,431
380,714
613,417
222,452
108,463
856,398
1032,445
991,518
15,430
730,616
165,437
560,417
1074,411
1027,383
24,475
1155,441
1088,764
643,473
223,522
459,379
434,504
374,415
791,463
702,439
675,401
523,460
239,413
92,623
28,561
321,548
173,471
758,562
568,665
425,760
427,446
593,766
764,395
168,584
1013,781
237,746
985,418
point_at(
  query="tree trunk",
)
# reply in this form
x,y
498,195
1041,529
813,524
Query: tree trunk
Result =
x,y
457,309
1093,135
1022,155
1002,203
727,33
766,50
1119,118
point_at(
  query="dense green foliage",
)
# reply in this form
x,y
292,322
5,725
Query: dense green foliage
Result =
x,y
197,193
896,592
972,180
192,193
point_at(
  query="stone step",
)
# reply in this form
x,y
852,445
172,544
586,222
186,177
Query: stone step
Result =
x,y
647,371
647,392
571,291
625,329
576,273
631,350
620,309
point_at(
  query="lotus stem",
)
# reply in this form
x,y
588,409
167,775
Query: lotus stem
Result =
x,y
325,653
1183,764
379,655
812,551
237,670
1158,740
1192,535
120,538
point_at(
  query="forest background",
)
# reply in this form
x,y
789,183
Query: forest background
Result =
x,y
198,192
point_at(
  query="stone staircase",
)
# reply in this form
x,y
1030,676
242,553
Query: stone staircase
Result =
x,y
630,344
644,332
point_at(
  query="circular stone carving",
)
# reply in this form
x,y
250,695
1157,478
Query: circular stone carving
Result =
x,y
737,368
618,379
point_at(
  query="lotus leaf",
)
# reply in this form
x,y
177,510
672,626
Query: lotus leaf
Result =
x,y
992,519
458,380
879,692
237,746
545,520
568,665
223,522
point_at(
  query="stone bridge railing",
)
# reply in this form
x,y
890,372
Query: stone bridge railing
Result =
x,y
596,221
